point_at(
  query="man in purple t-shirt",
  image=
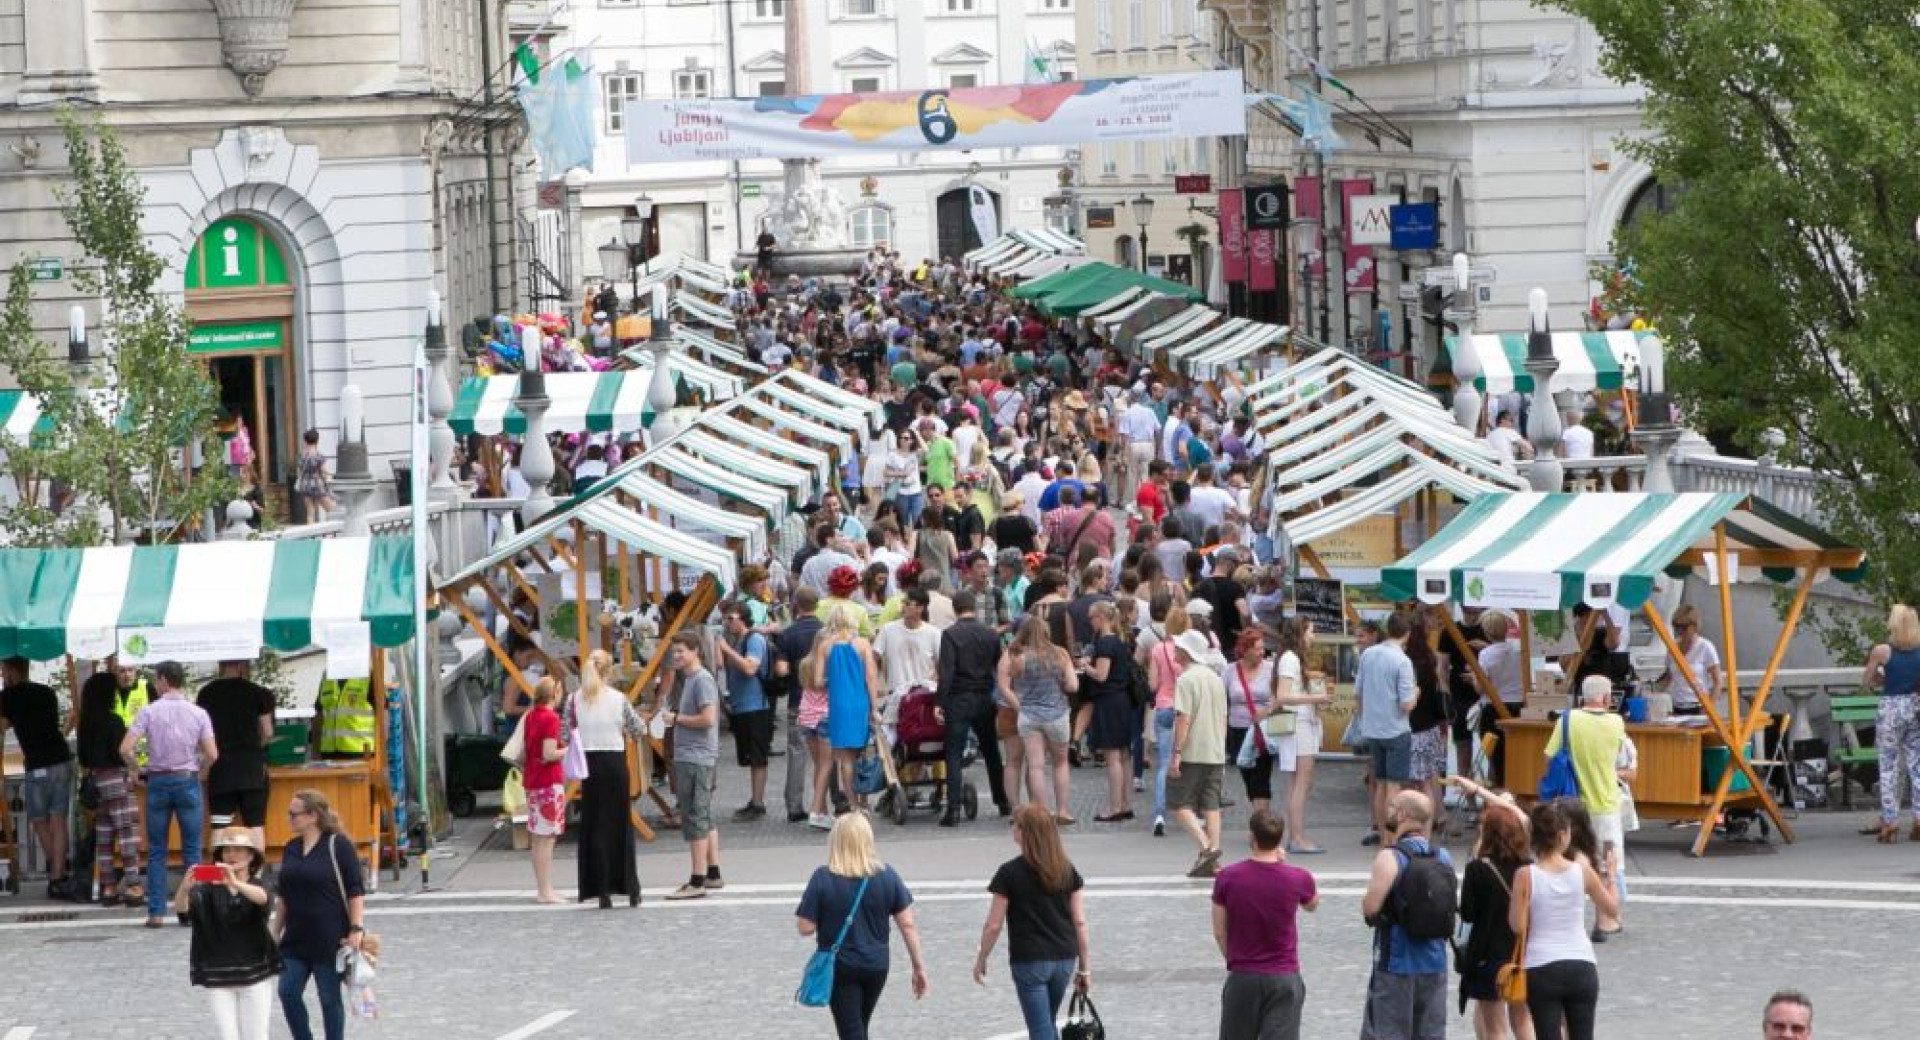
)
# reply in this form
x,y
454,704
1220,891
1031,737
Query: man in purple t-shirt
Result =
x,y
1255,905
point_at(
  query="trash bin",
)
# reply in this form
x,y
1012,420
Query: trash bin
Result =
x,y
473,764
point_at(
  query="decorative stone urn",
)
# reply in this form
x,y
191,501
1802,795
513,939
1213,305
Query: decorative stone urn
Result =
x,y
253,38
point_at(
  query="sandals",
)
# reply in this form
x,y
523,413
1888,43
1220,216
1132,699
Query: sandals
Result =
x,y
1064,820
1889,834
133,895
1114,817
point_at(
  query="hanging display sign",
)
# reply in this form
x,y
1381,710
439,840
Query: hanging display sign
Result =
x,y
1368,222
1306,206
1416,225
1233,238
1359,256
1099,217
245,337
1267,207
1199,104
1263,249
1193,184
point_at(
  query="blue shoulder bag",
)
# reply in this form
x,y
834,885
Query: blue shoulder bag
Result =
x,y
1560,781
816,982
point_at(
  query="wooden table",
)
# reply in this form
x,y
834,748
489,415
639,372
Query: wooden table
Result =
x,y
346,785
1668,786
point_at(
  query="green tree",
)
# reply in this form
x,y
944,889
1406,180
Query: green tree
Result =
x,y
123,450
1786,276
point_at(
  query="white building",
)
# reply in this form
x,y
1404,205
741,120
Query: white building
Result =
x,y
309,178
1118,38
915,203
1514,133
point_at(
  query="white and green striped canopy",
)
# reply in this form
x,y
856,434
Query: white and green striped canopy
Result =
x,y
22,416
693,271
1536,551
1181,326
688,305
1227,345
583,402
1588,360
642,534
1021,246
203,601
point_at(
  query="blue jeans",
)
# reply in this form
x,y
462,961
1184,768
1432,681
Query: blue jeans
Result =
x,y
170,798
1162,753
1041,986
909,507
294,973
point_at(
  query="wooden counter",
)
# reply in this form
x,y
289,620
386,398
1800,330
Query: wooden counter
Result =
x,y
348,788
1668,786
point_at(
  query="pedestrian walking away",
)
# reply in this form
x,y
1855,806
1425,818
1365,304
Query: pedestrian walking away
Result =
x,y
1549,908
1256,905
1037,900
833,896
1409,902
32,711
1486,893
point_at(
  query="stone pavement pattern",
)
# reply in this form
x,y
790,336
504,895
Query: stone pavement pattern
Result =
x,y
476,959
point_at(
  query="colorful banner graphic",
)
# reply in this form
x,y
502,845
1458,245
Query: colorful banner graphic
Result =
x,y
1359,258
1200,104
1306,206
1233,237
1263,248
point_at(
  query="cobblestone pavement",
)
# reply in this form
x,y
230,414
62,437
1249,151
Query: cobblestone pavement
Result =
x,y
1707,941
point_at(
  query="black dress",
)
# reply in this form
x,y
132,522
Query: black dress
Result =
x,y
1114,721
1485,893
607,864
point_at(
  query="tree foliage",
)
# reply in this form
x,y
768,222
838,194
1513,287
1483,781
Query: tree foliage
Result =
x,y
1786,277
124,449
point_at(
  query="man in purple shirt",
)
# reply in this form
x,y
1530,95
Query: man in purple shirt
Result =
x,y
180,751
1256,903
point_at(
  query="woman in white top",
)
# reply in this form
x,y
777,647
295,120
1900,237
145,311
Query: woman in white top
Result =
x,y
903,477
1703,660
1549,907
1296,753
600,718
1500,658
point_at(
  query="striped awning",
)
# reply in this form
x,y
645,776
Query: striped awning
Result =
x,y
1588,360
583,402
1185,324
1025,242
1039,265
205,601
1550,551
1223,346
747,462
693,271
21,414
640,533
712,383
688,305
1119,304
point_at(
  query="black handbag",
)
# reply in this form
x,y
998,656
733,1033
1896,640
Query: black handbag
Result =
x,y
1083,1021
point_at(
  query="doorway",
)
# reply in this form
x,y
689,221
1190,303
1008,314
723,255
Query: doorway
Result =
x,y
954,223
253,399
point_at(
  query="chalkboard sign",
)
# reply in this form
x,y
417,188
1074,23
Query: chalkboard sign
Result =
x,y
1321,599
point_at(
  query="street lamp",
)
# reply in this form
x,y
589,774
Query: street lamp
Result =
x,y
613,260
77,352
1142,216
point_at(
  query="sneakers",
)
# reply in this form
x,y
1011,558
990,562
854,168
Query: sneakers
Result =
x,y
1206,865
715,884
687,891
749,811
1139,785
797,816
1372,839
1159,826
949,820
820,822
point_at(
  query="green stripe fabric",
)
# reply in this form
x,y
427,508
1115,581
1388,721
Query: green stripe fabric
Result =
x,y
467,405
149,586
388,601
288,623
1527,526
606,393
1636,584
17,571
1401,581
1573,575
40,624
1606,367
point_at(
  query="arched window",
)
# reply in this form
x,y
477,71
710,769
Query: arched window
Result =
x,y
1651,198
1123,254
870,225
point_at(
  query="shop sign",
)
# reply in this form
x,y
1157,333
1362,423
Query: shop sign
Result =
x,y
246,337
1367,215
1100,217
749,191
1266,208
46,269
1416,225
1193,183
1366,545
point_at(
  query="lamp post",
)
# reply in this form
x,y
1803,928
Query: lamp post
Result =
x,y
440,438
79,359
1466,363
613,260
1655,432
1543,421
353,481
1142,215
1304,231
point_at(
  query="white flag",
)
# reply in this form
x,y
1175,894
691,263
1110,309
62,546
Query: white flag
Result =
x,y
986,223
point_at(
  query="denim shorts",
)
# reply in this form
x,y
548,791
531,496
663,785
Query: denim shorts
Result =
x,y
1056,731
49,791
1392,758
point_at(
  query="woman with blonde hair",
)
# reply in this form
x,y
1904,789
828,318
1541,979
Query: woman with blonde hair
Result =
x,y
602,721
1037,898
1036,677
320,896
545,784
1893,668
859,893
1294,691
1163,669
842,663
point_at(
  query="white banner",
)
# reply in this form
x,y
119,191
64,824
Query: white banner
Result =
x,y
1515,591
1199,104
189,643
1369,219
986,223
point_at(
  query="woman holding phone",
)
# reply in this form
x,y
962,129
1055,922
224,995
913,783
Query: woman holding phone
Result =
x,y
232,953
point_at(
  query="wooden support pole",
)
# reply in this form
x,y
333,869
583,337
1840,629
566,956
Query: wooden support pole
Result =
x,y
1480,678
626,597
1580,652
460,607
1736,755
557,669
1744,727
1526,654
1732,669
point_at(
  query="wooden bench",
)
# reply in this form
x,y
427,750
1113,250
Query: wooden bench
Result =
x,y
1850,714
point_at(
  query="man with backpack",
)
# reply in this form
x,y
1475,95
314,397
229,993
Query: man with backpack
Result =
x,y
1411,902
748,659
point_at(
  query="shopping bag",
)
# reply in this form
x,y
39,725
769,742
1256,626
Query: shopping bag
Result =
x,y
1559,781
513,795
868,777
816,980
514,751
573,764
1083,1022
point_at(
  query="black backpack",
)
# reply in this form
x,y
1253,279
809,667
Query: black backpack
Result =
x,y
1425,898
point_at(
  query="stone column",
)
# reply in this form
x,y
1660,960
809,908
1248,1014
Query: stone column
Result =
x,y
1543,418
1466,363
440,438
536,455
58,60
1655,433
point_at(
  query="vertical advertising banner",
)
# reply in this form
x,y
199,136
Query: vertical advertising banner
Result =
x,y
1306,206
1233,237
1359,273
1263,251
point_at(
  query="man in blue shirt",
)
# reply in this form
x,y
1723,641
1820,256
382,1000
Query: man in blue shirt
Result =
x,y
1407,993
749,713
1384,684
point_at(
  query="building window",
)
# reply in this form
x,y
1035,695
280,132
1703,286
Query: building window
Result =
x,y
869,226
1170,156
1136,24
859,8
771,87
1652,199
963,79
692,83
1051,6
864,84
1203,156
769,9
1103,24
1139,159
1183,16
963,6
620,88
1109,160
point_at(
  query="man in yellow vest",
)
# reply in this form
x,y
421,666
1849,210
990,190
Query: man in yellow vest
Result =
x,y
133,690
344,713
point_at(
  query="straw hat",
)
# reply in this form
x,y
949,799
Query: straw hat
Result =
x,y
238,838
1076,400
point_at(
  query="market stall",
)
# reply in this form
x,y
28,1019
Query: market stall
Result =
x,y
200,603
1548,552
671,267
1073,291
582,402
1020,247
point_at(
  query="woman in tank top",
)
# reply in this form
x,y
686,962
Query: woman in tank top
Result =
x,y
1893,669
1549,908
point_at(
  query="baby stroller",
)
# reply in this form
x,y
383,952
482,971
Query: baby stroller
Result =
x,y
920,761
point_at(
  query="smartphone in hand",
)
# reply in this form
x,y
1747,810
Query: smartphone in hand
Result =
x,y
207,873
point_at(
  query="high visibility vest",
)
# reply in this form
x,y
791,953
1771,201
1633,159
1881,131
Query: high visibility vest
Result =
x,y
346,717
127,705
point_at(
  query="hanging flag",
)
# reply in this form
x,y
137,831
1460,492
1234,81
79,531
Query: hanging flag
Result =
x,y
1233,236
1359,259
529,63
1038,67
1306,206
561,118
986,222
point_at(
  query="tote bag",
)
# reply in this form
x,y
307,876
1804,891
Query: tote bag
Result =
x,y
1559,780
573,762
816,981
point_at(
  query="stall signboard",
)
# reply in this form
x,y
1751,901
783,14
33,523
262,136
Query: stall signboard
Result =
x,y
1513,590
149,645
1323,601
1193,184
1099,217
1366,545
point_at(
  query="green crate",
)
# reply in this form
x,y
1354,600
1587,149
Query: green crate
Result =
x,y
288,746
1713,762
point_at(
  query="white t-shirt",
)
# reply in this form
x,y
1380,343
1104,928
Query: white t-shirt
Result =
x,y
1576,442
1290,670
893,558
909,657
1701,657
964,438
1501,662
1504,440
1212,504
